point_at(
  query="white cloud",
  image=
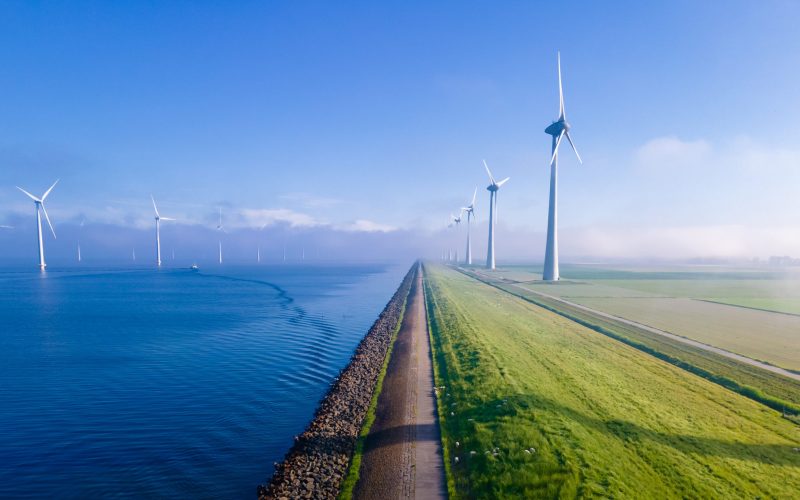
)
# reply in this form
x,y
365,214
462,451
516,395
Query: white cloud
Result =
x,y
253,217
671,153
678,242
366,226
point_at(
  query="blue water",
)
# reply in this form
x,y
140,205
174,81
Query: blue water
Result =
x,y
138,383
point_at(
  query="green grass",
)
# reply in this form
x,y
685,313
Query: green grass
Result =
x,y
768,388
604,418
354,470
765,336
782,305
698,308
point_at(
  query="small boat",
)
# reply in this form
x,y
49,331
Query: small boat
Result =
x,y
194,267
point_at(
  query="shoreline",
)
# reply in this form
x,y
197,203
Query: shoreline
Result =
x,y
317,463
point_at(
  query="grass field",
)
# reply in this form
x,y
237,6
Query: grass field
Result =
x,y
696,305
765,336
597,417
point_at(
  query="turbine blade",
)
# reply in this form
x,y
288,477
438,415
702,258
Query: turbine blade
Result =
x,y
573,148
51,188
166,218
474,194
555,149
503,181
48,220
488,171
561,113
29,195
154,206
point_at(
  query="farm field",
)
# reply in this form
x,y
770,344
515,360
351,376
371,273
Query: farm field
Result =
x,y
597,417
700,308
765,336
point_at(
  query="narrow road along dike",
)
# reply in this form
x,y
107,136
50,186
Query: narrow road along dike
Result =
x,y
402,453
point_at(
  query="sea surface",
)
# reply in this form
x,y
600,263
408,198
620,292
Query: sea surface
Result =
x,y
172,383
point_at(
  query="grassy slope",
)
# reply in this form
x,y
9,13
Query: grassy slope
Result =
x,y
769,388
605,419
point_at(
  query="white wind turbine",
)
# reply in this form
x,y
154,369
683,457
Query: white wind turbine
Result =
x,y
258,254
492,188
80,230
457,222
220,228
558,130
158,232
470,215
39,203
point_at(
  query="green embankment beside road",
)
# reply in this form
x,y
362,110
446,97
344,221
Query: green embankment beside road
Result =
x,y
773,390
597,417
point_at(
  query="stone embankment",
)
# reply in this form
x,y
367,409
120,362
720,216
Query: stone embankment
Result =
x,y
317,463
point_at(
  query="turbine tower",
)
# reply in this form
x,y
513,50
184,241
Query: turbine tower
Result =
x,y
220,228
39,203
470,215
158,232
79,239
558,129
492,188
457,221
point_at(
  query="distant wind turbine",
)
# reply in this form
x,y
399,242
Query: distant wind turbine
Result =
x,y
258,254
457,222
493,188
158,232
134,254
39,203
558,129
220,228
79,239
470,210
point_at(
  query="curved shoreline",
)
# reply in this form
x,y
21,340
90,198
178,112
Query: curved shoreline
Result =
x,y
315,466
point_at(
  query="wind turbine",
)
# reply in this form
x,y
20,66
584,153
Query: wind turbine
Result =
x,y
493,188
258,255
220,228
158,232
558,129
39,203
457,222
470,215
79,239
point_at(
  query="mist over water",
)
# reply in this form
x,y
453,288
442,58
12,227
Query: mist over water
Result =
x,y
138,383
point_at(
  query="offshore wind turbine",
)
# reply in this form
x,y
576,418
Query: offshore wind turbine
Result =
x,y
158,232
39,203
558,129
492,188
79,239
470,209
220,228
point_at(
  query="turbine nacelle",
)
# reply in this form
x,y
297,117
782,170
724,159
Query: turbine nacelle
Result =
x,y
556,128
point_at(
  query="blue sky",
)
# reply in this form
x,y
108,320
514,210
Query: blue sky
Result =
x,y
373,117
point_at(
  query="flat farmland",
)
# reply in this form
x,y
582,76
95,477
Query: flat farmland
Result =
x,y
761,335
536,405
780,294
